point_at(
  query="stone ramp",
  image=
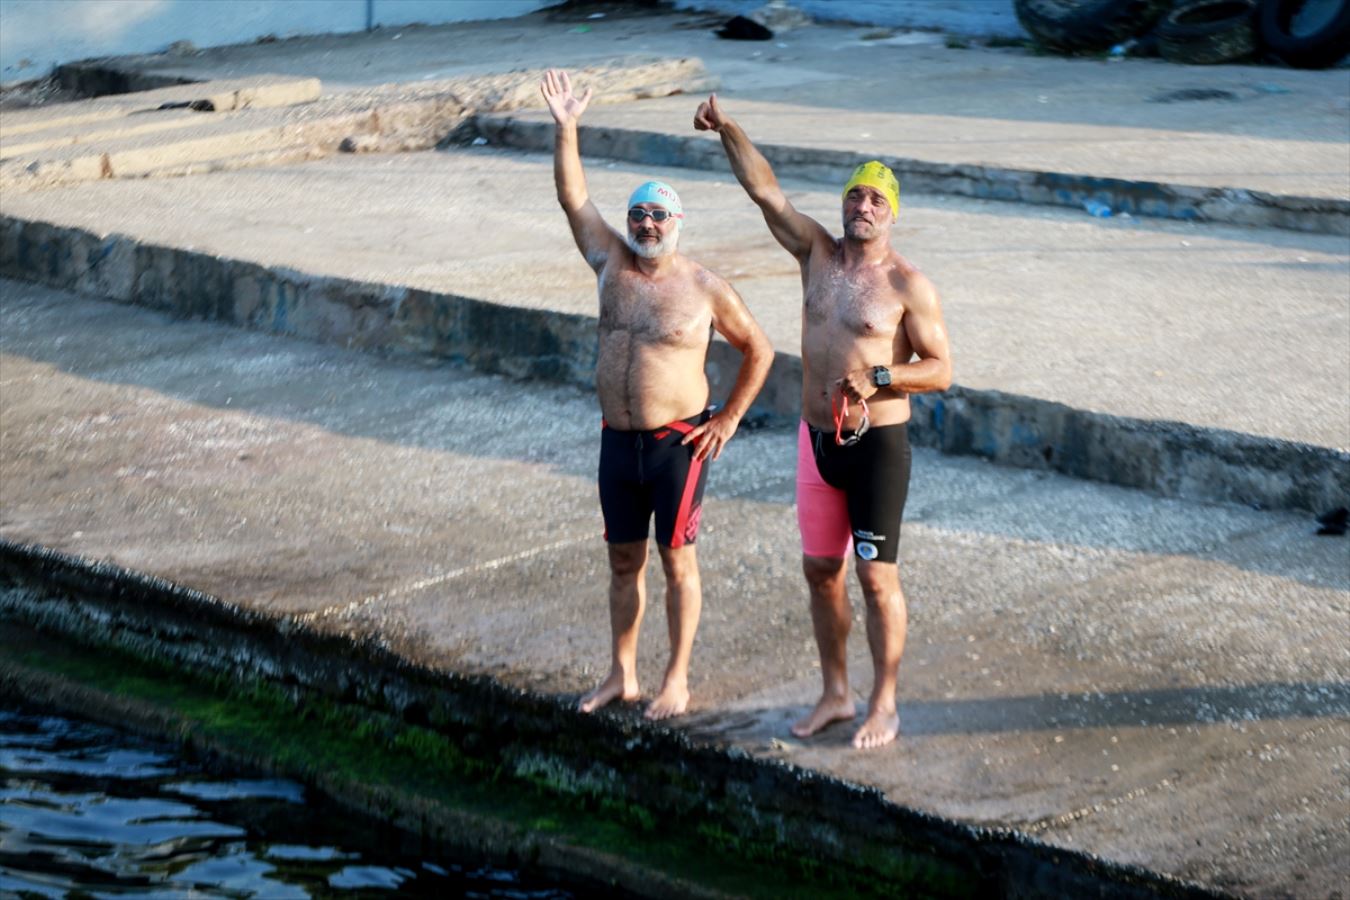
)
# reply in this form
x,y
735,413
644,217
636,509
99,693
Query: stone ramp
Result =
x,y
1154,681
1138,374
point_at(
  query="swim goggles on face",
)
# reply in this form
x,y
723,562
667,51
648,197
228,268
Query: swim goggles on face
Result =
x,y
840,414
637,214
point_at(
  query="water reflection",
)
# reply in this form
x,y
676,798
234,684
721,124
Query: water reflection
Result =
x,y
87,811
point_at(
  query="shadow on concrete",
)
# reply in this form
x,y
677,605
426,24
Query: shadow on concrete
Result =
x,y
1203,705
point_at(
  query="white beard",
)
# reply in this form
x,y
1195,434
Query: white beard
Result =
x,y
663,247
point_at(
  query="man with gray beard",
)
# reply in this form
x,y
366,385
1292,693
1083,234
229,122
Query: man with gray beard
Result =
x,y
658,309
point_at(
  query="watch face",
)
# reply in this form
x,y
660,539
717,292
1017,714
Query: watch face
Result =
x,y
881,375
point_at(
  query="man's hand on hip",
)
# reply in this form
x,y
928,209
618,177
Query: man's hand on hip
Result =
x,y
712,435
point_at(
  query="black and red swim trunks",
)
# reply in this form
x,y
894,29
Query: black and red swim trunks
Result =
x,y
649,472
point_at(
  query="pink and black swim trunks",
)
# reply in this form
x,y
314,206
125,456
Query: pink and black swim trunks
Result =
x,y
852,494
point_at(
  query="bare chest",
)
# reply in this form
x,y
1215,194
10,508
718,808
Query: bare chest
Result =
x,y
862,305
672,315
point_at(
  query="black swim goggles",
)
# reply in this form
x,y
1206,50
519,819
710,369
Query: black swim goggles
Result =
x,y
637,214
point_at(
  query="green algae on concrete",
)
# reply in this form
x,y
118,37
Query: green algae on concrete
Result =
x,y
419,779
606,795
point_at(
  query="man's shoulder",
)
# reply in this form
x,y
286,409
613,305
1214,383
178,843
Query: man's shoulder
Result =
x,y
705,278
904,271
910,282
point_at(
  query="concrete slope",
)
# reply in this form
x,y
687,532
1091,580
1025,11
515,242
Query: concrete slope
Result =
x,y
1158,682
1143,320
1243,144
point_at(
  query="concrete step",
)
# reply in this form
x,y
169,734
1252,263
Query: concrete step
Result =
x,y
1068,361
138,155
98,132
1233,143
221,95
140,134
651,133
136,136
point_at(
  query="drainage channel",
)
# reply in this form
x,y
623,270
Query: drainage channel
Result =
x,y
465,767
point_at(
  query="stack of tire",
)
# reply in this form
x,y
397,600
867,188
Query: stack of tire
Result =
x,y
1306,34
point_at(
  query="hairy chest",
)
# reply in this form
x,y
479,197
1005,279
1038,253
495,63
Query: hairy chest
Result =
x,y
670,315
864,305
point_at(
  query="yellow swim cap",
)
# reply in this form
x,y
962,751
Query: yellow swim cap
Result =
x,y
874,174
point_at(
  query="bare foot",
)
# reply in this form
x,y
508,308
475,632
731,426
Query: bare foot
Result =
x,y
615,687
670,702
878,729
828,711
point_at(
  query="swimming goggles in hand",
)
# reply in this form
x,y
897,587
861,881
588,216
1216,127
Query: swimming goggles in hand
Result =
x,y
840,414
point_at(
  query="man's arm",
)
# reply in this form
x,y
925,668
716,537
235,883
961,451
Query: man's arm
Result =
x,y
595,239
798,233
923,332
927,336
734,322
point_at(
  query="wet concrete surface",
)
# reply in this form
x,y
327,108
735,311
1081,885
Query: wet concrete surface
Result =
x,y
1155,681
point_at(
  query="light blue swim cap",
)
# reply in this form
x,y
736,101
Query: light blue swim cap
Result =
x,y
659,193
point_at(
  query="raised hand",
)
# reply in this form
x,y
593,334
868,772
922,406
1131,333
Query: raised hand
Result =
x,y
709,116
557,90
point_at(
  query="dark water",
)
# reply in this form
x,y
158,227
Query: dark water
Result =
x,y
88,811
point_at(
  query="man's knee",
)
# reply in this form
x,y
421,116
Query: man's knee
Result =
x,y
680,564
626,561
880,581
823,571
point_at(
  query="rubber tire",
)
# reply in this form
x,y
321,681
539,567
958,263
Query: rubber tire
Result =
x,y
1204,32
1087,26
1318,50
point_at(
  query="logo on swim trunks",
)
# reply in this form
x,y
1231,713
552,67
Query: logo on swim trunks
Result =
x,y
691,528
868,536
867,550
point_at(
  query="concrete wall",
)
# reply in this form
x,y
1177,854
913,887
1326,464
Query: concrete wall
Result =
x,y
36,35
977,18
